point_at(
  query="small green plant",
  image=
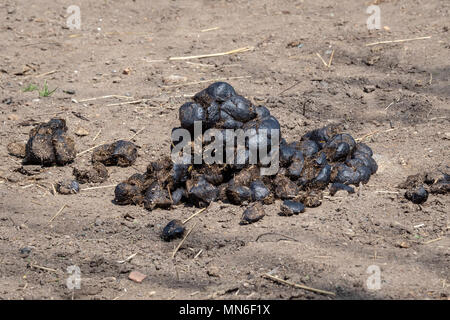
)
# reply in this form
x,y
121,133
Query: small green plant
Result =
x,y
45,92
31,87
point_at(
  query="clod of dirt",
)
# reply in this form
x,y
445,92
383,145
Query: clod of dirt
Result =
x,y
96,174
68,186
17,149
289,208
253,213
417,196
174,229
50,144
120,153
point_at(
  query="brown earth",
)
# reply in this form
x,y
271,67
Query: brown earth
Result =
x,y
395,95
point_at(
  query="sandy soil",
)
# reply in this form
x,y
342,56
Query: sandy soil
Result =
x,y
396,95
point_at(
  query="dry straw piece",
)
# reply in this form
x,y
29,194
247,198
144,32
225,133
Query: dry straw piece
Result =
x,y
396,41
209,55
300,286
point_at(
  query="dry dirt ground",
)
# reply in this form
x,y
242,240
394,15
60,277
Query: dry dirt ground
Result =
x,y
394,95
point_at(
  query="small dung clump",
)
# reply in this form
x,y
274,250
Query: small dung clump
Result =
x,y
120,153
419,186
95,174
68,186
50,144
417,196
289,208
174,229
253,213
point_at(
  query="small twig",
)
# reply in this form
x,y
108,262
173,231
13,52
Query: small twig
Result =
x,y
277,234
386,191
396,41
201,64
106,97
434,240
99,187
295,285
57,214
139,131
193,215
43,268
96,136
372,133
210,29
390,104
331,59
170,193
212,54
90,149
46,73
182,241
198,254
127,259
128,102
294,85
326,64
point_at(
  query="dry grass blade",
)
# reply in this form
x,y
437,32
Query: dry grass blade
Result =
x,y
295,285
396,41
58,213
106,97
46,73
43,268
371,134
128,102
127,259
96,136
134,135
331,59
323,61
90,149
209,55
210,29
193,215
99,187
434,240
182,241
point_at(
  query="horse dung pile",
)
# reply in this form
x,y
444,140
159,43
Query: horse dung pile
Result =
x,y
304,168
